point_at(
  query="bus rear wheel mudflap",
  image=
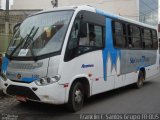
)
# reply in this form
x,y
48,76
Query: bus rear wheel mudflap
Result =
x,y
76,97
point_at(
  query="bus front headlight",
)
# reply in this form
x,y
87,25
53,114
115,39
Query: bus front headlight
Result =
x,y
47,80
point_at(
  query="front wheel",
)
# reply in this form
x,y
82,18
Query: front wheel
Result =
x,y
140,80
76,97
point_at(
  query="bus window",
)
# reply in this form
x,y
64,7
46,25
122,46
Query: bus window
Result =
x,y
93,40
84,38
147,40
155,39
74,35
119,35
134,37
98,36
83,34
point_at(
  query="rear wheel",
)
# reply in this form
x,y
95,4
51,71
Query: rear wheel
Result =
x,y
76,97
140,80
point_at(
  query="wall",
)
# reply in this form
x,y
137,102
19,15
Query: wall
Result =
x,y
31,4
127,8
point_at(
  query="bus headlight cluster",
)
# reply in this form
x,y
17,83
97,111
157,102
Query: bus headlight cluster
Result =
x,y
47,80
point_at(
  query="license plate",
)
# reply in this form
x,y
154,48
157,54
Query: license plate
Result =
x,y
21,98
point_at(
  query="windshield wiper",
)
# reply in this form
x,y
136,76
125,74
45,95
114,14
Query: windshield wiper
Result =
x,y
10,56
22,40
27,40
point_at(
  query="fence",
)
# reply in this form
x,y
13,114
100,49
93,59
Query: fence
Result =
x,y
6,27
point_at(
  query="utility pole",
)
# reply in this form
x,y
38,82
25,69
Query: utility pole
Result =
x,y
7,16
6,40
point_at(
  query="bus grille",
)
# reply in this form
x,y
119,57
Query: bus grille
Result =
x,y
22,91
25,66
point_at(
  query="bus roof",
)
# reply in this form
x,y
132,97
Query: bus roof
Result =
x,y
98,11
123,18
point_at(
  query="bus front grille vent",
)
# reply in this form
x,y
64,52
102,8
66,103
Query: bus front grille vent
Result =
x,y
26,66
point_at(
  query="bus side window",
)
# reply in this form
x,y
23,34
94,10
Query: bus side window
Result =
x,y
147,38
73,41
87,35
74,36
119,35
155,39
83,34
134,37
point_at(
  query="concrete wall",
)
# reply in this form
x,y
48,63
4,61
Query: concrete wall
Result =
x,y
4,42
31,4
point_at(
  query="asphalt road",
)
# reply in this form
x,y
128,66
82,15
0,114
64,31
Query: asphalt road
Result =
x,y
124,100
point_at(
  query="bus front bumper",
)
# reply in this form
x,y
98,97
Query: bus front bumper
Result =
x,y
52,93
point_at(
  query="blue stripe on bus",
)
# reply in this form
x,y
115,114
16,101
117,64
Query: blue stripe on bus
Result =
x,y
101,12
5,62
109,49
28,79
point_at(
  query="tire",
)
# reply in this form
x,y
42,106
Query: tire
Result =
x,y
140,80
76,97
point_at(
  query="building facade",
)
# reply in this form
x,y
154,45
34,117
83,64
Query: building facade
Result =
x,y
127,8
145,11
148,12
31,4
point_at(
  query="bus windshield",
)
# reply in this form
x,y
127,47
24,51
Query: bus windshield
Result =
x,y
40,34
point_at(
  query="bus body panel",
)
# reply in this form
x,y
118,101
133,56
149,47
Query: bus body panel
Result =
x,y
86,66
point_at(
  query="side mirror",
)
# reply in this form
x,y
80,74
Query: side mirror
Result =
x,y
16,27
83,29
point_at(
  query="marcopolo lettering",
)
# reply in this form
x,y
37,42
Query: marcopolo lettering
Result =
x,y
87,65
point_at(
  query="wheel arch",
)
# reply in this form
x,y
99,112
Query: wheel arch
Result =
x,y
85,82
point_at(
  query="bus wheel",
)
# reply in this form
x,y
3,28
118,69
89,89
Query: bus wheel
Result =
x,y
76,97
140,80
